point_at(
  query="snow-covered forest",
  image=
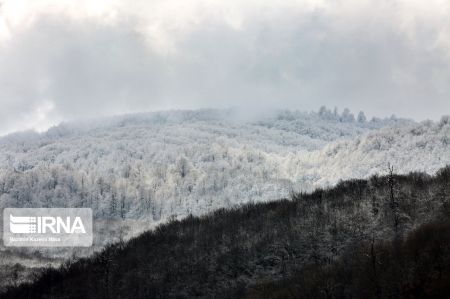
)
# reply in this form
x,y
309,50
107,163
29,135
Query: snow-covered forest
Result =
x,y
171,164
138,171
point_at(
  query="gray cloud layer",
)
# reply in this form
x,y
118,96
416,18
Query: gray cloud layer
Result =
x,y
61,67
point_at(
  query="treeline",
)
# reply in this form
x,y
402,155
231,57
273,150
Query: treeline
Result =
x,y
386,237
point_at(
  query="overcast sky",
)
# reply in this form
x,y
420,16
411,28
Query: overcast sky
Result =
x,y
64,59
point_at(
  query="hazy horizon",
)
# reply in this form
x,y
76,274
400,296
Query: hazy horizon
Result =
x,y
64,61
237,114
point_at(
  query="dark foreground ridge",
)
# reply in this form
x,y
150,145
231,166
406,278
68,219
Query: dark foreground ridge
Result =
x,y
386,237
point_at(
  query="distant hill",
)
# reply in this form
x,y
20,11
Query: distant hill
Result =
x,y
157,166
171,164
385,237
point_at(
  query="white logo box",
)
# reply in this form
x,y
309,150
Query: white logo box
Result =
x,y
47,227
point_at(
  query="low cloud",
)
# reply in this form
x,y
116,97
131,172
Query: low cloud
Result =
x,y
60,63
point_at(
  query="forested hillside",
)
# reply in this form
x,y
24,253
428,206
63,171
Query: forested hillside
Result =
x,y
172,164
137,171
385,237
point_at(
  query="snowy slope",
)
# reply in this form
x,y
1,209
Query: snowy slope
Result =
x,y
408,147
166,164
170,164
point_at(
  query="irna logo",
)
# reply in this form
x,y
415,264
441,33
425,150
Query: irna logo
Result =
x,y
47,227
43,225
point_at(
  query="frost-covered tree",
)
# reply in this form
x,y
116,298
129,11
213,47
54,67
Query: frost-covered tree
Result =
x,y
361,117
347,116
